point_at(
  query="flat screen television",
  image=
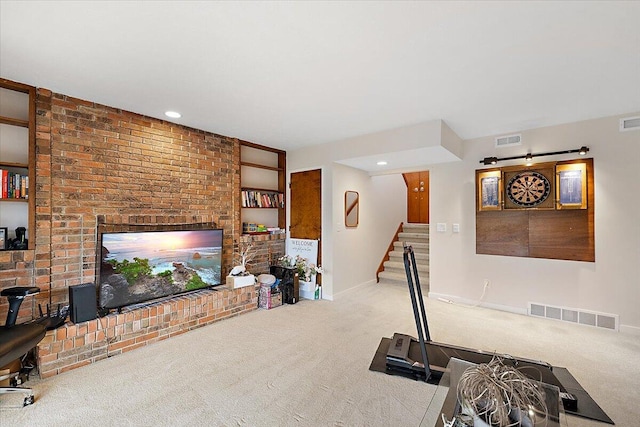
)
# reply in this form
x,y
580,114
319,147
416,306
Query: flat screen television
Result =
x,y
139,266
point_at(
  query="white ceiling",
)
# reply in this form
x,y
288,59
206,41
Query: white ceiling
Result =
x,y
292,74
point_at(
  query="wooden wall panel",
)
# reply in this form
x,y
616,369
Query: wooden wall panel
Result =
x,y
560,235
502,233
566,234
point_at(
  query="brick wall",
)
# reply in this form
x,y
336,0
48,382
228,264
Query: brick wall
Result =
x,y
93,160
75,345
16,269
110,162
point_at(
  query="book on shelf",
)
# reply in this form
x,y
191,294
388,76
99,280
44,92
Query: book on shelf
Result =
x,y
13,185
262,199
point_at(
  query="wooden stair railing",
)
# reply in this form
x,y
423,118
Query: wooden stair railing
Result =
x,y
386,255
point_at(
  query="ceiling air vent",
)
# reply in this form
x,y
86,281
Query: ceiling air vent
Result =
x,y
630,123
508,140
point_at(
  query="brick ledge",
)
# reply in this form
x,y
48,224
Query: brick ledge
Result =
x,y
75,345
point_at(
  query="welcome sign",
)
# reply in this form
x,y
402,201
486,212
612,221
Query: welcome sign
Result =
x,y
305,248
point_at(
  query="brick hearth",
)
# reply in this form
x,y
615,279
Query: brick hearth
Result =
x,y
74,345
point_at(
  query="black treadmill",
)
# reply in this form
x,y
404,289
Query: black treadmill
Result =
x,y
423,359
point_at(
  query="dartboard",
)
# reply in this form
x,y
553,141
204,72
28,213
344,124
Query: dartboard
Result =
x,y
528,189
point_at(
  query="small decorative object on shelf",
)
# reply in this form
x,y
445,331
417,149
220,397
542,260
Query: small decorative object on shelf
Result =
x,y
20,242
4,238
239,276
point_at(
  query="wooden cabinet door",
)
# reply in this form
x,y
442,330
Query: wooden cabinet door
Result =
x,y
417,197
306,207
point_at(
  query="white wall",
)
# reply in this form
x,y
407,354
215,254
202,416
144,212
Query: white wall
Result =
x,y
611,284
350,256
383,206
354,265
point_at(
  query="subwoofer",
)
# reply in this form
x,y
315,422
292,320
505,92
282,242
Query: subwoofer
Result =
x,y
82,302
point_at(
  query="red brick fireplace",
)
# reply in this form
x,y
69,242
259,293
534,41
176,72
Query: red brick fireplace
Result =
x,y
93,160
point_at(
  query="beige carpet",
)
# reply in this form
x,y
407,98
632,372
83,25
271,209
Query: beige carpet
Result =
x,y
307,365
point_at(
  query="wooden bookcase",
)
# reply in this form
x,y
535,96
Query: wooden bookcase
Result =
x,y
262,182
17,155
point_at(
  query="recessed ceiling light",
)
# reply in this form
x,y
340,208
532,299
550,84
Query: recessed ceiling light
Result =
x,y
381,163
173,114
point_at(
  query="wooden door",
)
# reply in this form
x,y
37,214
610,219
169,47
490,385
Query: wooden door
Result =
x,y
306,207
417,197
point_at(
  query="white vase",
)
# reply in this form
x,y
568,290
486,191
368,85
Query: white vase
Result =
x,y
307,289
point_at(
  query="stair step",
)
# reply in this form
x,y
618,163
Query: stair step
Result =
x,y
416,228
397,256
419,253
422,270
399,265
417,236
402,277
397,277
417,247
409,236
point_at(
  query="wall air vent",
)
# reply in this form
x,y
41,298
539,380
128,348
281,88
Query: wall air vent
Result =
x,y
574,315
630,123
508,140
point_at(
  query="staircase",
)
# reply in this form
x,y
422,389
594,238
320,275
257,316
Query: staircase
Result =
x,y
416,235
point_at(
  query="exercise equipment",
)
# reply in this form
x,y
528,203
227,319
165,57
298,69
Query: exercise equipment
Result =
x,y
17,340
422,358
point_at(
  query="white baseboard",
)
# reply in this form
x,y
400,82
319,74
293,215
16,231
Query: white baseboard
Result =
x,y
464,301
626,329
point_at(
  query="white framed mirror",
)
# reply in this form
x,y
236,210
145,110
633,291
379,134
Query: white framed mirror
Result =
x,y
351,208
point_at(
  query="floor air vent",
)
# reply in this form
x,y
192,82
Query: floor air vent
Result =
x,y
574,315
629,123
508,140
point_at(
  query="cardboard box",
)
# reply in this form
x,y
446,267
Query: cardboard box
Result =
x,y
267,299
234,282
9,369
276,299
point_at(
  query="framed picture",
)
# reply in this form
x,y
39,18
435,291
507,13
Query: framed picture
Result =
x,y
4,238
571,186
489,190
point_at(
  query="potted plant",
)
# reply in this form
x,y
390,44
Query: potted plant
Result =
x,y
306,273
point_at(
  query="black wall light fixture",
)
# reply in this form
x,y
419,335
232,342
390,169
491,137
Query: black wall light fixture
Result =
x,y
529,156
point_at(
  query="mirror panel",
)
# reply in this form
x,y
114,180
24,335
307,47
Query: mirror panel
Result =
x,y
351,208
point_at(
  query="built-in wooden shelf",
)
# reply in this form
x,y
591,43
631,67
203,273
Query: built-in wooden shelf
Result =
x,y
14,122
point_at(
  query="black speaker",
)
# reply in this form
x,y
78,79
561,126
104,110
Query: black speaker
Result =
x,y
82,302
289,284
